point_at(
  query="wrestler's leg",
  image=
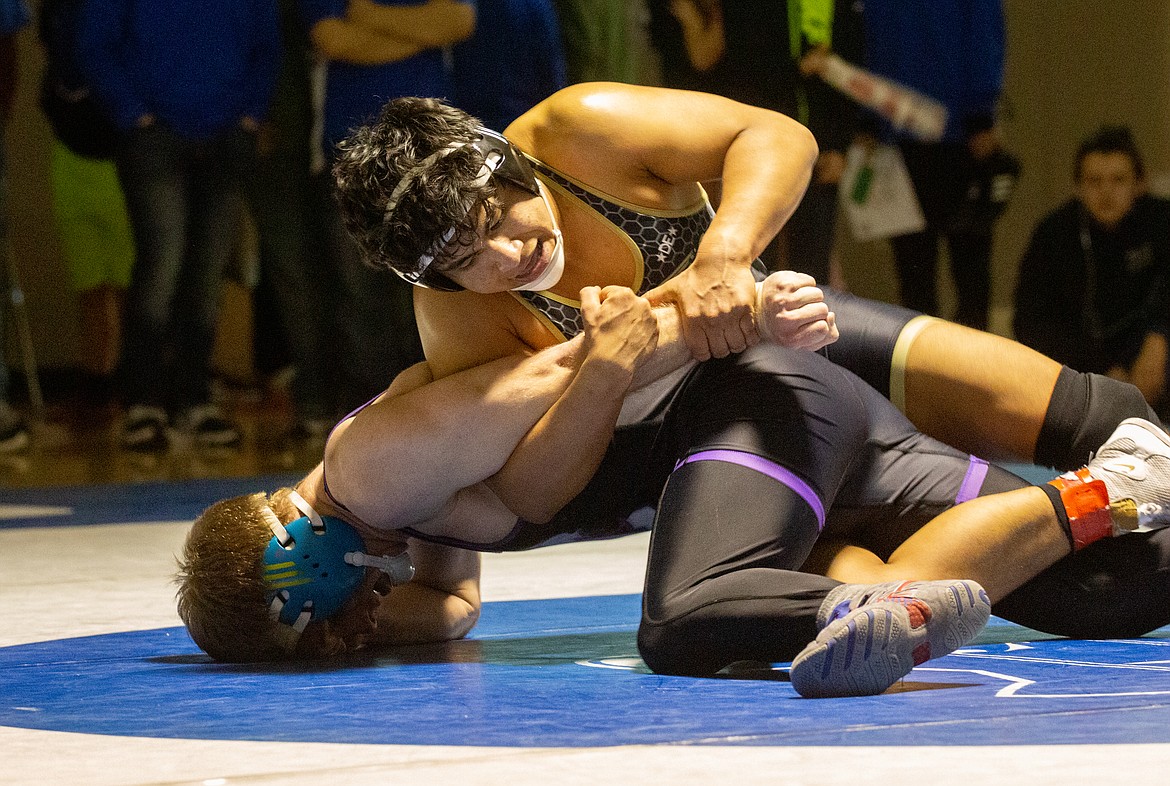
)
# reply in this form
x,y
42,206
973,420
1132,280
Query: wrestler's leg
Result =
x,y
914,508
1117,586
764,442
767,440
972,540
979,392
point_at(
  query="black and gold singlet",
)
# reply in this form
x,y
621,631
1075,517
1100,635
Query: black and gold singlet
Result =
x,y
663,243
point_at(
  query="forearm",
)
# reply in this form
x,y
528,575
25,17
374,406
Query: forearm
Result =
x,y
441,603
418,614
559,456
347,42
765,173
402,458
431,24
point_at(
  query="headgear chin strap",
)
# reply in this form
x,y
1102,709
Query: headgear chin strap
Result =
x,y
556,264
503,160
314,564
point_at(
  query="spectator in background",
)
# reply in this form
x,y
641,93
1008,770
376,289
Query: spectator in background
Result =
x,y
953,51
750,50
375,51
605,41
188,83
13,17
514,61
1094,285
88,205
290,315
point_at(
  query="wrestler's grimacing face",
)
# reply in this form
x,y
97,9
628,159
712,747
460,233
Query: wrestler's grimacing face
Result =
x,y
511,251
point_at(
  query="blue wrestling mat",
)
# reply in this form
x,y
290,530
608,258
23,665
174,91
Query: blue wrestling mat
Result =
x,y
565,673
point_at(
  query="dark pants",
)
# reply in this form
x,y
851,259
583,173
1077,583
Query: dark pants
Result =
x,y
185,201
5,290
374,317
940,176
283,203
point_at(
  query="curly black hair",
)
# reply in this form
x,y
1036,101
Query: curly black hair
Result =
x,y
394,230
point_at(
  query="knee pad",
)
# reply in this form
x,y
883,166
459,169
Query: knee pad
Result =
x,y
1082,413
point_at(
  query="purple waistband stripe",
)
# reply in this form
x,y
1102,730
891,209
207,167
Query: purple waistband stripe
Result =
x,y
973,482
769,468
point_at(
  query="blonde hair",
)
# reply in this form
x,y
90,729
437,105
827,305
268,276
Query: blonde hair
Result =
x,y
221,579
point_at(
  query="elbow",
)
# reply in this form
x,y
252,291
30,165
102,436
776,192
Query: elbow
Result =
x,y
462,619
805,144
462,24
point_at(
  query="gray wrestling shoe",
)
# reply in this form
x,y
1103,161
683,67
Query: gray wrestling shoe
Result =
x,y
872,635
145,430
1134,463
209,427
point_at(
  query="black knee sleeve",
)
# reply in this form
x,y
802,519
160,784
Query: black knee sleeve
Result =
x,y
770,622
1083,412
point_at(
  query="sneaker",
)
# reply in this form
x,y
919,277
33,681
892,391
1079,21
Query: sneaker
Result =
x,y
1134,463
310,432
209,428
872,635
145,430
13,430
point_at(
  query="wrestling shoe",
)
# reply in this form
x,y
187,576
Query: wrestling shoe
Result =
x,y
209,428
13,430
1134,464
872,635
145,430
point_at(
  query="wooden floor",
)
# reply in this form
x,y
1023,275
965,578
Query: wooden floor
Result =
x,y
76,443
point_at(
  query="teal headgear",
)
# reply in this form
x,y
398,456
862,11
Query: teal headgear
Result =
x,y
315,563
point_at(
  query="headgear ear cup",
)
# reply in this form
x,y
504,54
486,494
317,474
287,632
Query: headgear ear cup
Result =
x,y
318,562
311,567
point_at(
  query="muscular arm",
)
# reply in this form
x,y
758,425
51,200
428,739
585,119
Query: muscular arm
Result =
x,y
557,458
649,145
431,24
404,458
441,603
347,42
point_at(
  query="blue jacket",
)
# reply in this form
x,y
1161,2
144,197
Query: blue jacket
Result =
x,y
197,65
354,93
515,60
952,50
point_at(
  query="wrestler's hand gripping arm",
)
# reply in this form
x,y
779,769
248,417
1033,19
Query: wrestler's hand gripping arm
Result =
x,y
650,144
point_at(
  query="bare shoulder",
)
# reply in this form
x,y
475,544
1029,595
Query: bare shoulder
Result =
x,y
461,330
625,139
